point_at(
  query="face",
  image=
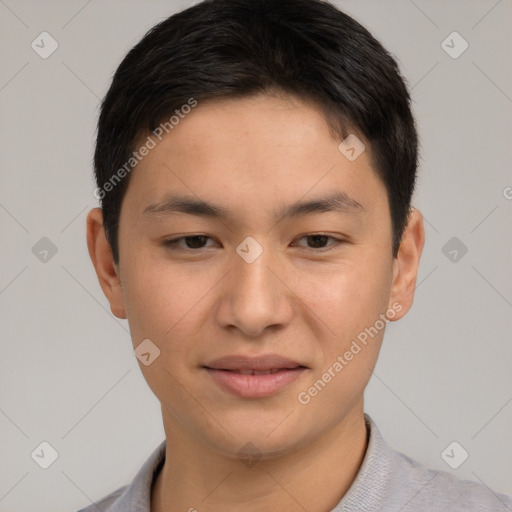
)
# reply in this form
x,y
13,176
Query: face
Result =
x,y
268,310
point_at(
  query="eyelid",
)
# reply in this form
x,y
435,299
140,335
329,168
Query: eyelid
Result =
x,y
174,242
335,241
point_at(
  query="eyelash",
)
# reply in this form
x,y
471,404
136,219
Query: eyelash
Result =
x,y
173,243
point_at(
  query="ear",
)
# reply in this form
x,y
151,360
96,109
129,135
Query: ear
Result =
x,y
406,263
103,261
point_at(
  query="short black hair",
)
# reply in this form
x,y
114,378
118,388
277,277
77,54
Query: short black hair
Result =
x,y
220,49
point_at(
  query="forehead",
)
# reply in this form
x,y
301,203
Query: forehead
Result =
x,y
274,125
261,152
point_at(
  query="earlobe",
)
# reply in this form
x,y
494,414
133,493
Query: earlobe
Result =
x,y
406,263
101,256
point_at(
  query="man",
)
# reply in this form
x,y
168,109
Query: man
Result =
x,y
255,163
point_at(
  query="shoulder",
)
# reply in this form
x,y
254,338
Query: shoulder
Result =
x,y
429,489
137,495
389,481
107,502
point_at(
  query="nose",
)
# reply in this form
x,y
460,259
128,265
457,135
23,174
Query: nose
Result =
x,y
255,297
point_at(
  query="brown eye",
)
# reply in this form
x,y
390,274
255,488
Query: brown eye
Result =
x,y
191,242
320,241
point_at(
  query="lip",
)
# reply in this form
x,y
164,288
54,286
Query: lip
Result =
x,y
254,377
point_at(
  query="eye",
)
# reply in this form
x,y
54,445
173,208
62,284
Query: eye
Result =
x,y
192,242
318,241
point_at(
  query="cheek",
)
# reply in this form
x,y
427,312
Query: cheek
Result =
x,y
349,298
351,303
163,304
159,297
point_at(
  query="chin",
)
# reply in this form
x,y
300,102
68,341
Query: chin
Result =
x,y
264,440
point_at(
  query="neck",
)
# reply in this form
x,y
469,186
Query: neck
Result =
x,y
313,477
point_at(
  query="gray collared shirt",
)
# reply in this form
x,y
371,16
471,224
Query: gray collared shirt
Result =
x,y
387,481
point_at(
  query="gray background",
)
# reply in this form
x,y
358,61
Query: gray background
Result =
x,y
68,375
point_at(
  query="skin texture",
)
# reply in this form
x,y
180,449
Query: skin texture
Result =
x,y
252,156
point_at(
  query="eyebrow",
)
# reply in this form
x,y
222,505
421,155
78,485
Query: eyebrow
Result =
x,y
335,202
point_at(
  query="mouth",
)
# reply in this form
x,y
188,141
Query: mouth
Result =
x,y
255,372
254,377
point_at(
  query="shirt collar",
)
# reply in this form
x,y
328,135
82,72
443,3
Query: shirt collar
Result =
x,y
137,496
368,488
373,478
